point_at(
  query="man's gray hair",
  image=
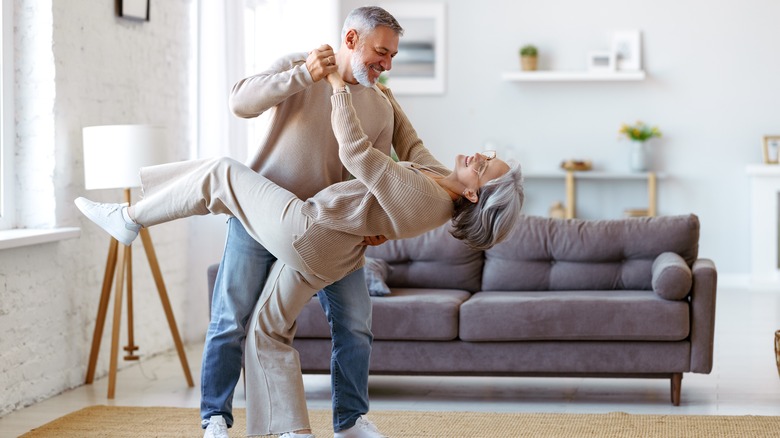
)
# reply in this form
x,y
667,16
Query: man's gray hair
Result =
x,y
367,18
490,220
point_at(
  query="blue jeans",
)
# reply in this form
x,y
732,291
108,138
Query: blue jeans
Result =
x,y
240,280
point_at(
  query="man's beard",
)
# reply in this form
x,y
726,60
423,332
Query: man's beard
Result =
x,y
359,69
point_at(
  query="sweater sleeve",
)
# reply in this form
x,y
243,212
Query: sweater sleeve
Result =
x,y
252,96
406,143
363,161
401,192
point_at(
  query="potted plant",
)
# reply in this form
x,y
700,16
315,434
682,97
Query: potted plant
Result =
x,y
639,133
528,57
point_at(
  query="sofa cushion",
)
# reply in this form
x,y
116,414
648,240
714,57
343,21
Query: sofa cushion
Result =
x,y
573,315
672,277
434,260
405,314
418,314
573,254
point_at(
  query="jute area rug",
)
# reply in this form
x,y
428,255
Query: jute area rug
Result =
x,y
117,421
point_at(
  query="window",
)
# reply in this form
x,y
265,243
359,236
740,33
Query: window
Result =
x,y
302,25
240,39
7,215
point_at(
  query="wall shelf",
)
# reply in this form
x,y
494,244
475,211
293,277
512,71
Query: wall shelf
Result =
x,y
573,76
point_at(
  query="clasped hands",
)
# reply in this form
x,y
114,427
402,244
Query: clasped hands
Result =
x,y
321,62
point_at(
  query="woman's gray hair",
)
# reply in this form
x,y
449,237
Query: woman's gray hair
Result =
x,y
368,18
490,220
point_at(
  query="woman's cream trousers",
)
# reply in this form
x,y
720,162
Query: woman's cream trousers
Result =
x,y
276,402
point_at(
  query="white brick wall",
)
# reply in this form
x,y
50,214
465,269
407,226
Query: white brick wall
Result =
x,y
78,64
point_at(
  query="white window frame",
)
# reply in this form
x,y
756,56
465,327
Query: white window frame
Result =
x,y
7,133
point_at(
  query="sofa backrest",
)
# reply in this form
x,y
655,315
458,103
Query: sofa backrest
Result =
x,y
575,254
432,260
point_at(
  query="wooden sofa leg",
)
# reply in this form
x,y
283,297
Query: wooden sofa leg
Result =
x,y
676,388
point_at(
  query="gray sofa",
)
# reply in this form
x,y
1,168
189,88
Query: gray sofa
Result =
x,y
605,298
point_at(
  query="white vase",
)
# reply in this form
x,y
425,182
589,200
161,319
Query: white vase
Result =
x,y
637,158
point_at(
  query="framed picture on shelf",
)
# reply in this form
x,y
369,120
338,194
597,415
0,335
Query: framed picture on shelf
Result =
x,y
771,149
627,50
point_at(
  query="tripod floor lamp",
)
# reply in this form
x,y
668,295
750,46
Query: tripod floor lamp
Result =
x,y
113,155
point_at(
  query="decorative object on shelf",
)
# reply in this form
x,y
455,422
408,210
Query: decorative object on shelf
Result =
x,y
637,158
528,57
635,212
627,50
639,133
578,165
557,210
601,61
777,350
771,149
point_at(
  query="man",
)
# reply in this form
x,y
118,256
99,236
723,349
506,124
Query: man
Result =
x,y
300,153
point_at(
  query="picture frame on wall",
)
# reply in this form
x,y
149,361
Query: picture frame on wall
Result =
x,y
627,50
419,66
133,9
771,149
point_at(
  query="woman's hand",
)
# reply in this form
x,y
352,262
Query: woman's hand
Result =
x,y
335,81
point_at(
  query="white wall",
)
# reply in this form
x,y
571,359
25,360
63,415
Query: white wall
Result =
x,y
88,68
713,86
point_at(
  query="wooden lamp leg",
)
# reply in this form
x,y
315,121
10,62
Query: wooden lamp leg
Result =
x,y
157,274
130,347
100,321
117,319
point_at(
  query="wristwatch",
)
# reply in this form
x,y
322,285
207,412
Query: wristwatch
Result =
x,y
341,89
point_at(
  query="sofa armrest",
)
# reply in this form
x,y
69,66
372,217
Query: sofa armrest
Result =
x,y
703,293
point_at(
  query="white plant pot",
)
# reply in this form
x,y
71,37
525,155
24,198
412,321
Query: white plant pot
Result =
x,y
637,158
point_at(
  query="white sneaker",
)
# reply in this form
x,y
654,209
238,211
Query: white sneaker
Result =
x,y
296,435
109,218
216,428
363,428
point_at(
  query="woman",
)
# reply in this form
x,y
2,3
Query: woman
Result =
x,y
320,240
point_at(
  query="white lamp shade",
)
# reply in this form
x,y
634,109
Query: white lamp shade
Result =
x,y
113,154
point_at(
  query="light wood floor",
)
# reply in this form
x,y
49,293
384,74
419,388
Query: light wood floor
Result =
x,y
744,381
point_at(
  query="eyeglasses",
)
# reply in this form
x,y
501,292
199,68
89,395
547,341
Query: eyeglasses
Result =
x,y
482,167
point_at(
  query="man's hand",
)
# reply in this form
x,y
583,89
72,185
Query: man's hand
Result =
x,y
374,240
321,62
